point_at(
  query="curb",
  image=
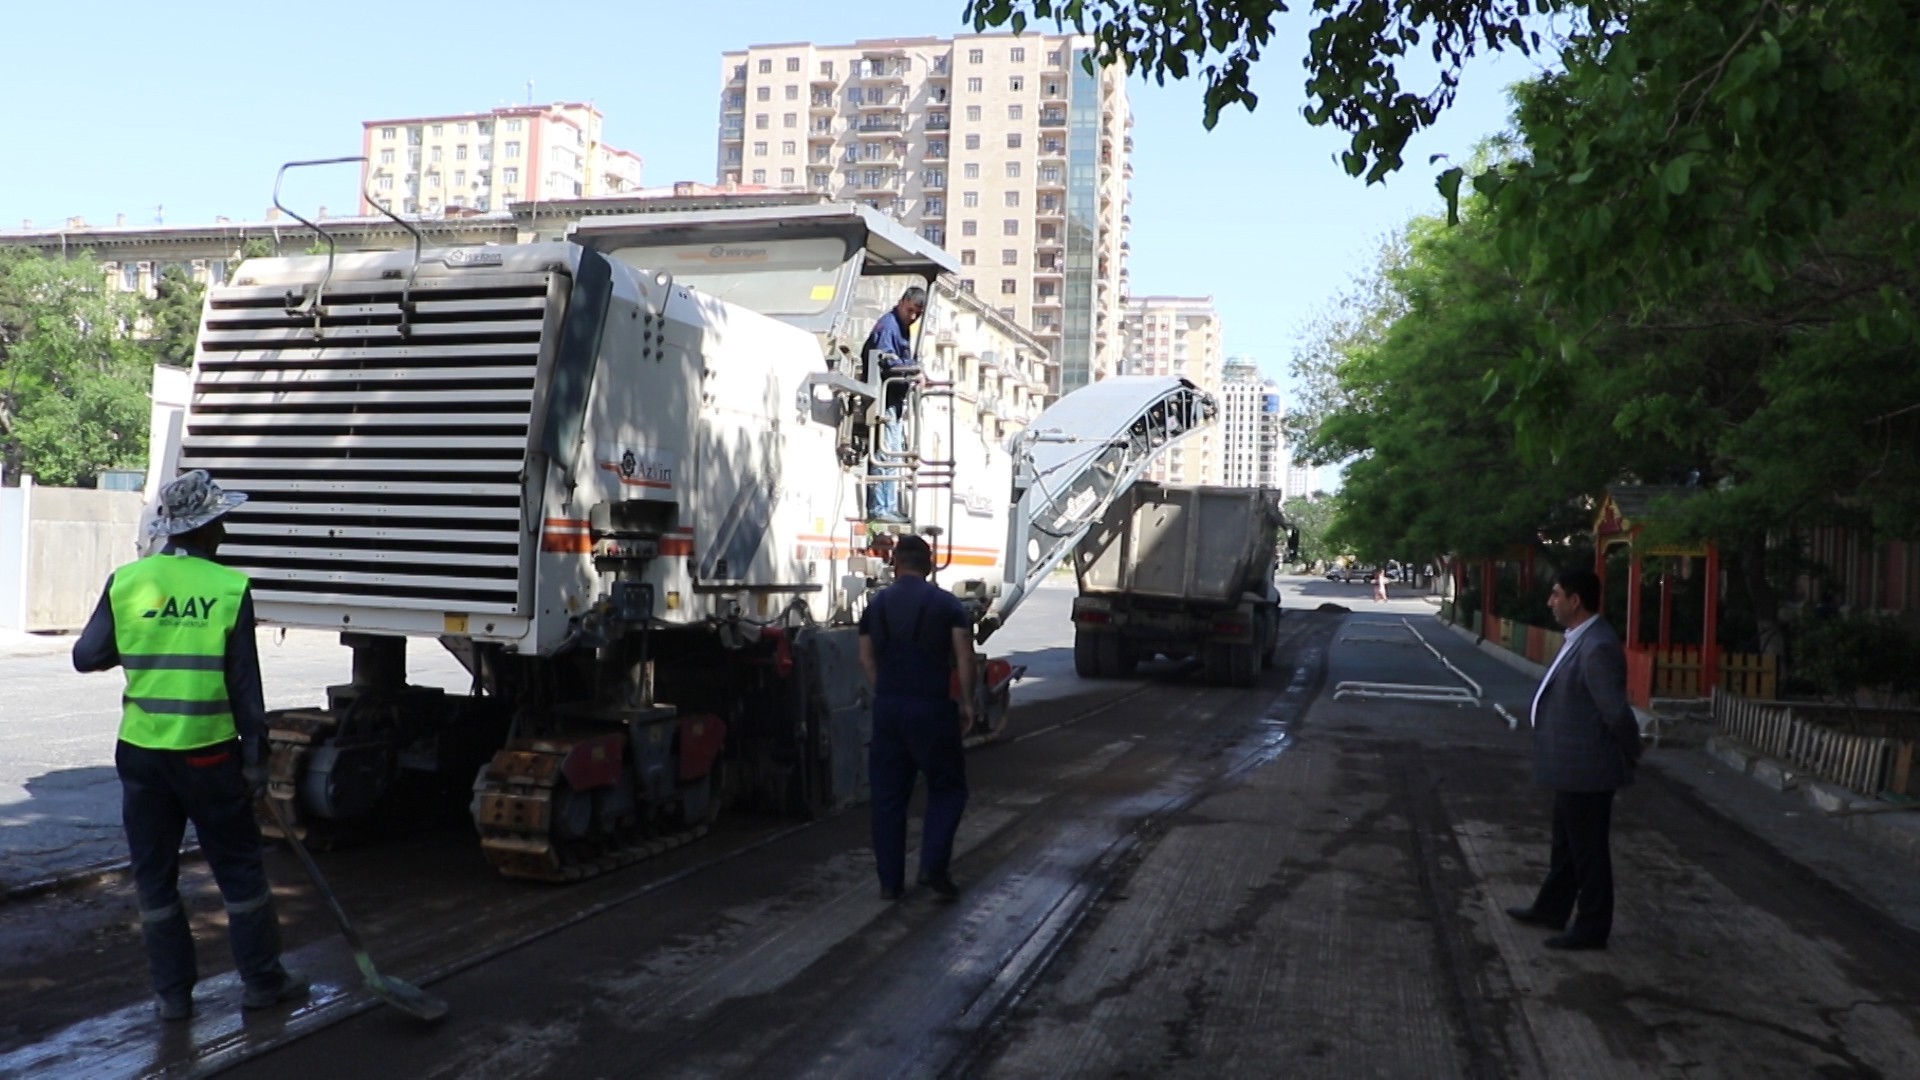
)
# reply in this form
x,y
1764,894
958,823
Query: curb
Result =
x,y
1868,817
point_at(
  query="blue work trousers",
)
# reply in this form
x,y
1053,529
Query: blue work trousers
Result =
x,y
884,497
161,791
910,736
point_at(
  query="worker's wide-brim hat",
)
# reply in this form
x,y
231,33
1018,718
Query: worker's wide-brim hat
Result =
x,y
189,502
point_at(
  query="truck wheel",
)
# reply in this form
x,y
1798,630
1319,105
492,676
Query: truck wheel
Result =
x,y
1269,644
1118,657
1215,664
1086,654
1243,664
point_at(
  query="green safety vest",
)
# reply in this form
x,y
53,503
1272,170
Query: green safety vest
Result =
x,y
172,615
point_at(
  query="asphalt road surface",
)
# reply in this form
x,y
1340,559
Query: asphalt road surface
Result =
x,y
1160,879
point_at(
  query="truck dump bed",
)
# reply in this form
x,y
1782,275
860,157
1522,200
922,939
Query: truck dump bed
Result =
x,y
1197,544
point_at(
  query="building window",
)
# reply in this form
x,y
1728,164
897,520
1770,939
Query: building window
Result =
x,y
1013,198
966,285
975,85
739,71
510,176
1009,257
459,178
761,121
852,177
789,148
826,69
1017,55
969,228
1009,286
935,233
386,133
460,128
438,130
1013,170
513,150
386,183
936,205
1014,112
1053,89
1013,140
937,121
386,157
935,178
971,170
759,176
1016,83
1010,227
966,257
970,200
793,63
733,155
759,149
790,120
433,180
766,67
763,93
460,152
937,148
786,176
976,56
436,153
973,142
1055,57
485,127
973,113
513,125
793,93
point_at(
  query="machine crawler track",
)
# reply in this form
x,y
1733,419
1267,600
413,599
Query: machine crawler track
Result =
x,y
519,803
291,737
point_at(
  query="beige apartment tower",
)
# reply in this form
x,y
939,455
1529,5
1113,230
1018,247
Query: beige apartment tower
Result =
x,y
1003,149
1181,335
1251,442
485,161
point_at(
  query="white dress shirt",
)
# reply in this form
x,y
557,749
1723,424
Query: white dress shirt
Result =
x,y
1533,712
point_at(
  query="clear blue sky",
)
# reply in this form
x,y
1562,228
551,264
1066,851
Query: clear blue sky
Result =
x,y
107,100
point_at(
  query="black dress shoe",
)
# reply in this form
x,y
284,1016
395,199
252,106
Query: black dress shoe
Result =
x,y
941,884
1574,942
1533,918
890,894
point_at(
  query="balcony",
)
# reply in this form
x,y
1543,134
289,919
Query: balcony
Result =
x,y
884,70
1051,180
1053,91
1126,143
1049,270
1053,118
1046,214
880,127
1053,150
824,78
1047,300
939,121
820,131
934,211
821,103
886,184
888,103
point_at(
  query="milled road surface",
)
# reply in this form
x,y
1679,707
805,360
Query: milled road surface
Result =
x,y
1161,879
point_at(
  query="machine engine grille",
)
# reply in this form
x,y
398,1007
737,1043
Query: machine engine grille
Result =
x,y
384,470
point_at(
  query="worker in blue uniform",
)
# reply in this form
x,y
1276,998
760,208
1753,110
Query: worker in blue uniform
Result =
x,y
890,345
192,743
913,636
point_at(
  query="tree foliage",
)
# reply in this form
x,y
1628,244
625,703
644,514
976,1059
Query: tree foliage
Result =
x,y
1312,516
172,317
73,377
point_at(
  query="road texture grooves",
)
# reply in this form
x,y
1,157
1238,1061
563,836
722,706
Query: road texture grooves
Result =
x,y
73,993
799,968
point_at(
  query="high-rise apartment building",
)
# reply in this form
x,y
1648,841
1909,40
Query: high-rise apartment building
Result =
x,y
1250,437
484,161
1180,335
1000,148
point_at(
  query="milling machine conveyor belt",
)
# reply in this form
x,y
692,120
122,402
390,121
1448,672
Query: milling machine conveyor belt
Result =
x,y
1075,459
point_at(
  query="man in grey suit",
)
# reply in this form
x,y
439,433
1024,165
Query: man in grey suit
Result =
x,y
1585,745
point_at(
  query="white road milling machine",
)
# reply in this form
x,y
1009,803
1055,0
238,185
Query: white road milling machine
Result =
x,y
622,479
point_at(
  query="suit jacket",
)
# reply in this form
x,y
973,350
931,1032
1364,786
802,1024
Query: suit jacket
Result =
x,y
1585,737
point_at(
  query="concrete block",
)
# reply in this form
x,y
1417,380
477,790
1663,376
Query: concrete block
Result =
x,y
1829,798
1731,754
1777,775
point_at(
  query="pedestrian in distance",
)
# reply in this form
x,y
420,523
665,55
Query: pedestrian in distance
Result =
x,y
192,742
913,636
1380,584
1586,743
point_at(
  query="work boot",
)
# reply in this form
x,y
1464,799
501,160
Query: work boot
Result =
x,y
293,986
941,884
173,1007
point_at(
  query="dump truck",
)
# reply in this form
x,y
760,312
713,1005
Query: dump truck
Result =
x,y
622,478
1179,572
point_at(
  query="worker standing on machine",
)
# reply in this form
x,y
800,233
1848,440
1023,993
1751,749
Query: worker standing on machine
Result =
x,y
913,636
192,741
890,345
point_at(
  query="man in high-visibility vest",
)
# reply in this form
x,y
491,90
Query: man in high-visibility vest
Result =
x,y
192,741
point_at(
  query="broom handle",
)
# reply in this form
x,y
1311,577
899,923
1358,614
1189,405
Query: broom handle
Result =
x,y
313,872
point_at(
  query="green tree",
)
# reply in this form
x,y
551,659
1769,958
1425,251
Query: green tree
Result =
x,y
172,321
73,380
1312,516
